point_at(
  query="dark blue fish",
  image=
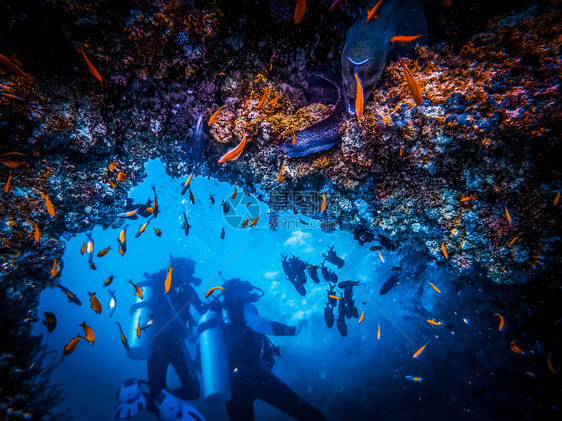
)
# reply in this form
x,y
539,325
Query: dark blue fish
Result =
x,y
71,297
50,321
311,269
212,199
329,315
225,207
185,224
222,234
389,284
333,258
342,327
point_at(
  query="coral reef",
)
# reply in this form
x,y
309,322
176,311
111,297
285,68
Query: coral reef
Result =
x,y
485,144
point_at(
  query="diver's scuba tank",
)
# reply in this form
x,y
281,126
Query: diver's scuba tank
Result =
x,y
215,376
143,313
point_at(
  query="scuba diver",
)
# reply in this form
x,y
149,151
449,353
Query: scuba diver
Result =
x,y
161,320
247,354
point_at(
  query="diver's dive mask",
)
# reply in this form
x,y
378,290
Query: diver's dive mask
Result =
x,y
242,290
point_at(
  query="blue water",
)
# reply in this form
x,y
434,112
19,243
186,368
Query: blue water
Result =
x,y
357,374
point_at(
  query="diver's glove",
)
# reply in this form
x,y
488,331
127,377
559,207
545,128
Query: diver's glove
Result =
x,y
172,408
130,399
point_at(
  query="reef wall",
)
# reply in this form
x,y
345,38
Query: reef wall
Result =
x,y
474,171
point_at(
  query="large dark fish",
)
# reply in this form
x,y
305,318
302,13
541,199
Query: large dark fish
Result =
x,y
367,45
329,315
389,284
333,258
342,327
311,269
198,144
320,136
328,275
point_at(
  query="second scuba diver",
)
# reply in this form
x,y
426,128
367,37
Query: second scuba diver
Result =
x,y
251,356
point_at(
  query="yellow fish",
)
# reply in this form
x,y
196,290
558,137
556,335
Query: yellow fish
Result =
x,y
378,331
419,351
323,208
444,251
138,290
361,317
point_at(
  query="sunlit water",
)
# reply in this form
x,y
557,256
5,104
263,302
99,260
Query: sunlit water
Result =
x,y
357,374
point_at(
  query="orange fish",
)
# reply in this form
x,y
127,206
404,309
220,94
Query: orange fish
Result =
x,y
214,116
444,251
234,153
138,329
435,288
49,205
294,138
191,197
121,176
359,98
55,268
513,240
507,215
157,232
37,233
8,183
10,65
378,331
361,317
122,248
93,266
467,198
500,327
213,289
71,346
122,234
103,252
186,184
111,166
235,191
335,297
141,229
245,223
108,281
515,348
91,67
138,290
96,306
401,39
130,213
401,153
300,9
550,366
111,183
255,221
262,100
414,88
433,322
323,207
168,281
419,351
274,100
83,249
380,257
556,198
90,335
372,14
248,101
280,176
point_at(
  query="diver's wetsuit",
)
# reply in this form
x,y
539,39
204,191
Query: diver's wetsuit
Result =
x,y
251,378
169,348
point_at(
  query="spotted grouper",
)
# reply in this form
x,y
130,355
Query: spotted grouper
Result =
x,y
365,52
